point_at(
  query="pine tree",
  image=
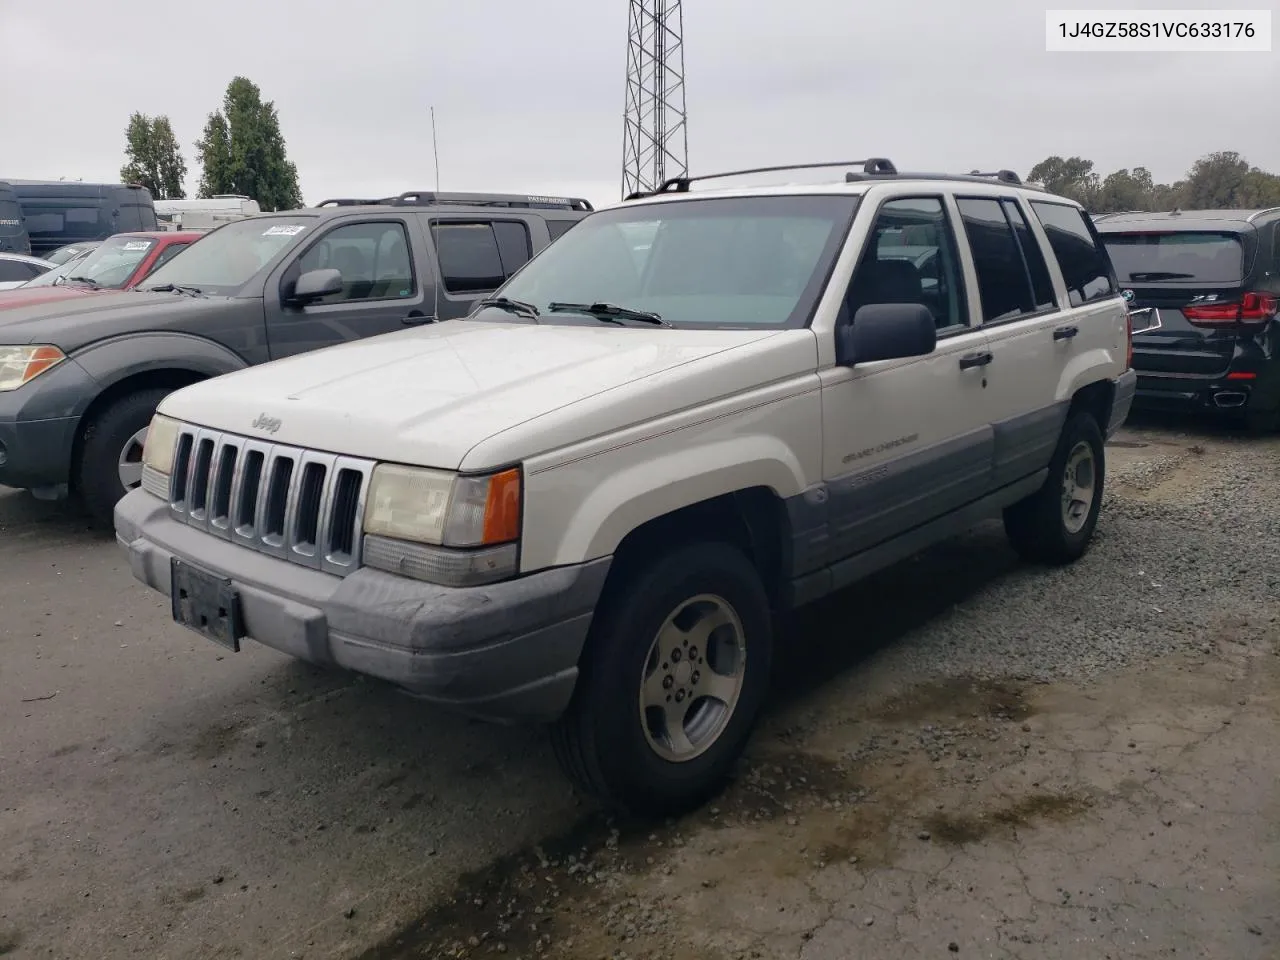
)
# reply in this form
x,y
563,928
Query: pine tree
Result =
x,y
243,151
152,157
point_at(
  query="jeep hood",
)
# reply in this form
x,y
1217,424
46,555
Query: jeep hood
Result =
x,y
431,396
74,322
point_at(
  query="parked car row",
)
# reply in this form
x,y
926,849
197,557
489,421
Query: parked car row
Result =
x,y
253,290
39,216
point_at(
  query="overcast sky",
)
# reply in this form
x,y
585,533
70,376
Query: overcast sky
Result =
x,y
529,96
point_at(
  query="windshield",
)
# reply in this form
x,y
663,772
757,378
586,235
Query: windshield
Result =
x,y
51,277
223,261
715,262
1157,257
112,263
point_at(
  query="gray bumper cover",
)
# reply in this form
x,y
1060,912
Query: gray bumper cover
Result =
x,y
507,651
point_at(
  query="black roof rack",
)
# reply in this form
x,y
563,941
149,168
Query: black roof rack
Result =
x,y
430,198
874,168
681,184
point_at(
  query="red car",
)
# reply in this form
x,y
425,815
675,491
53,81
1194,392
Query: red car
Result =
x,y
120,262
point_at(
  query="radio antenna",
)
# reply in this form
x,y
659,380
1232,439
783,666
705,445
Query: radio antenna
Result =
x,y
435,236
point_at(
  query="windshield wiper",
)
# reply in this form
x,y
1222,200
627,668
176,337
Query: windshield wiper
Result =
x,y
89,281
177,288
518,307
609,312
1140,276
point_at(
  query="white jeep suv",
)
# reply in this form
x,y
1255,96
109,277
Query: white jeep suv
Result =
x,y
585,502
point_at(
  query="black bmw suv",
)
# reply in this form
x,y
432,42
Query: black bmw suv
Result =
x,y
1212,279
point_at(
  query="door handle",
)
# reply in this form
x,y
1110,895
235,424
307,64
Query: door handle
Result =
x,y
971,360
1065,333
416,317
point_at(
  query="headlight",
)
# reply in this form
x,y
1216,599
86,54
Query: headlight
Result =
x,y
441,527
158,455
19,365
161,444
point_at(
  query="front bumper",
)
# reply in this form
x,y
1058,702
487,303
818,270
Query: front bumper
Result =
x,y
507,652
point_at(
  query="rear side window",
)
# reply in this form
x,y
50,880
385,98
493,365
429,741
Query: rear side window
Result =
x,y
1003,282
1191,256
479,257
1085,266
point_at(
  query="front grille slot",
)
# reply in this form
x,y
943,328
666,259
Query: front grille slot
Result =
x,y
181,463
346,504
273,515
198,486
299,505
247,507
220,511
310,498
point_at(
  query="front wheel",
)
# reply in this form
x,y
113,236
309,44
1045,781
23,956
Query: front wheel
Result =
x,y
111,452
1055,524
675,672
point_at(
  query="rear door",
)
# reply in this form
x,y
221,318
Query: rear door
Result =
x,y
381,289
1020,311
1190,278
476,255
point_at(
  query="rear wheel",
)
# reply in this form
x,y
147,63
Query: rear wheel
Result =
x,y
673,678
111,452
1055,524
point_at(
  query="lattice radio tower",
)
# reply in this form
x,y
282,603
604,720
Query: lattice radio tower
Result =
x,y
655,142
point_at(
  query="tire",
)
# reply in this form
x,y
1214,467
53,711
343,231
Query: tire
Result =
x,y
1262,423
605,744
1040,527
111,435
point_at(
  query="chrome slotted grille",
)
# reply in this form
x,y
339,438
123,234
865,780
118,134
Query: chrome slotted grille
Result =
x,y
299,505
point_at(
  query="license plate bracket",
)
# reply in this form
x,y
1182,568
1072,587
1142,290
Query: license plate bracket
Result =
x,y
207,604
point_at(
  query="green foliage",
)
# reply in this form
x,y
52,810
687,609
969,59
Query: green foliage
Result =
x,y
243,151
1223,180
152,157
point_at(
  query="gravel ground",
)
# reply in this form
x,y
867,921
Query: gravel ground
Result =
x,y
951,723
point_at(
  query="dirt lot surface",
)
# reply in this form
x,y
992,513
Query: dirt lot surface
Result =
x,y
966,757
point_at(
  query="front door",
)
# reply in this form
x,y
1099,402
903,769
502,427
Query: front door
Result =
x,y
906,441
381,291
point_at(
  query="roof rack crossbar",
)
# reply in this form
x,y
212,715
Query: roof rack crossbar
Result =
x,y
879,165
1005,176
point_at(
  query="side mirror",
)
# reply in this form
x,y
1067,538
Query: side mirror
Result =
x,y
316,285
886,331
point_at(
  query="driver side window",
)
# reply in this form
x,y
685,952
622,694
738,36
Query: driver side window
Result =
x,y
373,259
910,257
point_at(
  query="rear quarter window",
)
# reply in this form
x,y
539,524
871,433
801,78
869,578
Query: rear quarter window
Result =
x,y
1085,265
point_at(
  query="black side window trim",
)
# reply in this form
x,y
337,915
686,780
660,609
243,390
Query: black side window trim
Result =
x,y
1022,257
290,277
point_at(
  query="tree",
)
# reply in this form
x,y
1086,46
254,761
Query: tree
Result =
x,y
243,151
1221,180
152,157
1073,177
